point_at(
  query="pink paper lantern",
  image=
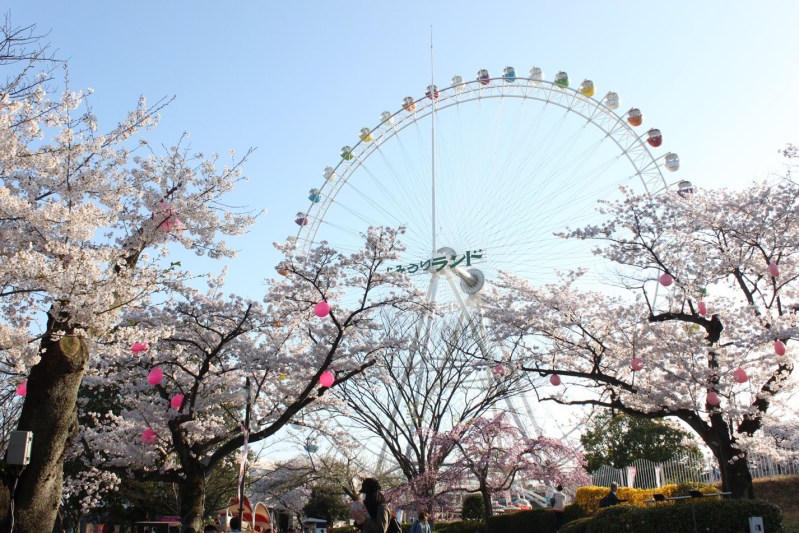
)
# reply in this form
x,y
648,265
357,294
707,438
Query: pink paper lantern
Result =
x,y
148,436
499,369
155,376
779,347
637,364
740,376
322,309
327,378
138,347
773,270
176,401
712,398
702,308
554,379
666,280
22,389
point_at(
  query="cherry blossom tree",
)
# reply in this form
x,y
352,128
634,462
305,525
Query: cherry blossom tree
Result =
x,y
181,397
87,219
711,348
492,456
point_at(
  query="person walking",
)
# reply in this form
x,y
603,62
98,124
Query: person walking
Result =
x,y
558,506
422,524
378,514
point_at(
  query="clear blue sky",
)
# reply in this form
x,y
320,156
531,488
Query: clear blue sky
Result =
x,y
298,79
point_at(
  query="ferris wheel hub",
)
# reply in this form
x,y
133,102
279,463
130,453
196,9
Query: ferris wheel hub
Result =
x,y
472,280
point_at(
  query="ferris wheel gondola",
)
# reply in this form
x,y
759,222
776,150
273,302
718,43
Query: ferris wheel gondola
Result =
x,y
484,175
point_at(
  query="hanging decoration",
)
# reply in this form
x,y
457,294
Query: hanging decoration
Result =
x,y
155,376
138,347
666,280
176,401
712,398
637,364
554,379
322,309
148,436
702,308
779,347
327,378
22,389
740,375
773,269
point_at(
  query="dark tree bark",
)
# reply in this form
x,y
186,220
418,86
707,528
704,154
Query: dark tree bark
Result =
x,y
50,413
191,492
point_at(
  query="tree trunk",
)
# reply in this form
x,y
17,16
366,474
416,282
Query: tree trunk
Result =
x,y
49,412
733,462
486,503
191,491
735,477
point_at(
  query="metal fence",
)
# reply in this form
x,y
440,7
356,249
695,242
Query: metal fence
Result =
x,y
646,474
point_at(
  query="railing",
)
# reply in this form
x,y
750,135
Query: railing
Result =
x,y
647,474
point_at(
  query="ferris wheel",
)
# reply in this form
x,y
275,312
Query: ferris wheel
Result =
x,y
484,174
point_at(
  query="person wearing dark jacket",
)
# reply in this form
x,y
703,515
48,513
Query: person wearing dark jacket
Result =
x,y
378,514
611,498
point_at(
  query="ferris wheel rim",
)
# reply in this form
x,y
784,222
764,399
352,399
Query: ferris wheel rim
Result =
x,y
467,92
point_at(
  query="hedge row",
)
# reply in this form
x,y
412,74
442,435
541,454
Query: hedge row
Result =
x,y
719,516
588,497
537,520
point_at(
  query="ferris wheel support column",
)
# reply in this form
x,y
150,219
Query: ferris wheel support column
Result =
x,y
433,142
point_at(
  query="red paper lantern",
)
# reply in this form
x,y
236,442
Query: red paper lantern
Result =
x,y
148,436
712,398
322,309
22,389
637,364
702,308
499,369
740,376
155,376
327,378
177,401
666,280
554,379
773,270
138,347
779,347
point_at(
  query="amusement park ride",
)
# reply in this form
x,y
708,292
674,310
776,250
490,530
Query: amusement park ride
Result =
x,y
484,175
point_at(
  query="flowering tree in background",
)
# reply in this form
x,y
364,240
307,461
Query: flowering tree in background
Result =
x,y
492,456
181,397
710,349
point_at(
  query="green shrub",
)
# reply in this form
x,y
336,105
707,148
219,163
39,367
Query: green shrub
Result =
x,y
725,516
574,512
461,527
536,520
472,507
576,526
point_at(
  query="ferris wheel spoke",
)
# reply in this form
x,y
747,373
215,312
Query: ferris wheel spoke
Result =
x,y
516,164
